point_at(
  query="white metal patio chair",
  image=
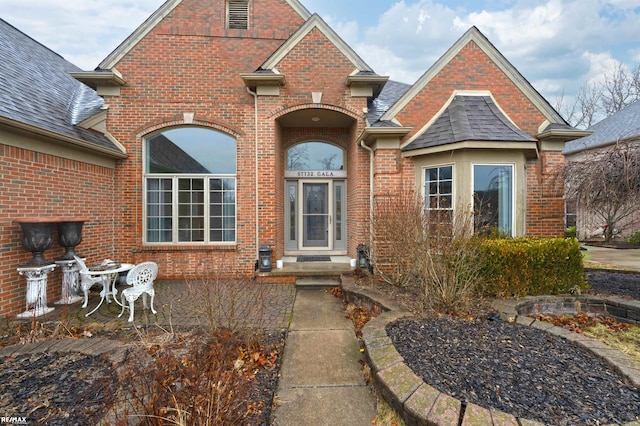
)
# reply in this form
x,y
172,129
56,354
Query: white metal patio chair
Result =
x,y
141,278
88,279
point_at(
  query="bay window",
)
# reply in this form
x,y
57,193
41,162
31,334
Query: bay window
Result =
x,y
493,198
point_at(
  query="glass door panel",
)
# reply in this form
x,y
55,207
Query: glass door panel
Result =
x,y
316,218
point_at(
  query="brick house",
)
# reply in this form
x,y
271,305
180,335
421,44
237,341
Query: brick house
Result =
x,y
217,127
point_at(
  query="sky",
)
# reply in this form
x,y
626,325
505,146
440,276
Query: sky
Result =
x,y
557,45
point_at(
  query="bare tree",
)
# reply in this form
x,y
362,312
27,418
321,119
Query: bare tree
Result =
x,y
608,183
619,89
298,157
596,101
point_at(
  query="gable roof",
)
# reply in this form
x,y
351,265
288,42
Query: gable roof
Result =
x,y
315,21
39,95
156,17
469,118
624,124
473,34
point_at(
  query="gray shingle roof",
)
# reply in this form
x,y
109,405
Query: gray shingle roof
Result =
x,y
469,118
37,89
624,124
390,93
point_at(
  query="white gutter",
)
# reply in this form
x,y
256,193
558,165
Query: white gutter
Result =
x,y
362,144
255,132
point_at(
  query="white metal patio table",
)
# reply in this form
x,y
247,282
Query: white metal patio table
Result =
x,y
109,288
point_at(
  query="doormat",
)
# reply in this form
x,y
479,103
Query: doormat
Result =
x,y
313,259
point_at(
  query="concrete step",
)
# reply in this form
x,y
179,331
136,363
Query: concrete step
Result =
x,y
317,283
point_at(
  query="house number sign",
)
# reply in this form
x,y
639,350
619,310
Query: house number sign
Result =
x,y
311,174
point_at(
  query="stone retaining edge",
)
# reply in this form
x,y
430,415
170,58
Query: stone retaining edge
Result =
x,y
421,404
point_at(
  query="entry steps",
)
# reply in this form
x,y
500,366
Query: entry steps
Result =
x,y
319,283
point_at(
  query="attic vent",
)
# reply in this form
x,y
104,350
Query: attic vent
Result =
x,y
238,14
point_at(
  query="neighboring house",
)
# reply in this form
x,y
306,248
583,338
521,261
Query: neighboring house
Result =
x,y
247,123
621,127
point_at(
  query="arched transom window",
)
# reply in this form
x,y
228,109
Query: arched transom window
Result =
x,y
315,156
190,186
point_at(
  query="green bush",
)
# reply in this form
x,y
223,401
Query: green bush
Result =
x,y
531,266
635,238
570,232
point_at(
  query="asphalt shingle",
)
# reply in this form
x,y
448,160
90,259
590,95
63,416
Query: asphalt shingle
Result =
x,y
38,90
469,118
625,124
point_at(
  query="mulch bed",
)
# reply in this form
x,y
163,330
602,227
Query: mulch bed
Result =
x,y
72,388
521,370
57,389
516,369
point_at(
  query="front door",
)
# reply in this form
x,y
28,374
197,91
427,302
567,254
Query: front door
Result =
x,y
315,212
316,215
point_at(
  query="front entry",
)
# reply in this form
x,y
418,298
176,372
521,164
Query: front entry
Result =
x,y
315,215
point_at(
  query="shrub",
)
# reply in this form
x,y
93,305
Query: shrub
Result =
x,y
571,232
452,266
431,252
400,238
635,238
531,266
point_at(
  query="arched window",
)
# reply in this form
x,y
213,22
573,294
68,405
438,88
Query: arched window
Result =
x,y
315,156
190,186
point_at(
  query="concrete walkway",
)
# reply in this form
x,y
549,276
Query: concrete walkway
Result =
x,y
321,379
602,257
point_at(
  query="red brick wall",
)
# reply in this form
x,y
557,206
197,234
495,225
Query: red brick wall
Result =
x,y
191,63
472,69
545,201
42,185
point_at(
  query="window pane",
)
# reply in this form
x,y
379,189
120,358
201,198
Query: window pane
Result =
x,y
158,209
191,150
492,198
439,187
315,156
222,209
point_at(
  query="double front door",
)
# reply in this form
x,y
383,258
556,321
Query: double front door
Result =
x,y
315,215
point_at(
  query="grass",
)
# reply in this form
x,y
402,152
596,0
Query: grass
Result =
x,y
622,336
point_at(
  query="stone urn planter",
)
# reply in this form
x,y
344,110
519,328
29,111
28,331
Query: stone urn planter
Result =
x,y
69,237
37,238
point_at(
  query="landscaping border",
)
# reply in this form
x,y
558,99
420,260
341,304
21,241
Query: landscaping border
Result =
x,y
421,404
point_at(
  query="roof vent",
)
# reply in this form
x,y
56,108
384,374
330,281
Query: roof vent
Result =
x,y
238,14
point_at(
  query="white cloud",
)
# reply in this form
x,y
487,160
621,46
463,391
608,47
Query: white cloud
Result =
x,y
84,32
556,44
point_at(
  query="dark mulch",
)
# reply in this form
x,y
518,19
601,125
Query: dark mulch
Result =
x,y
516,369
54,389
76,389
521,370
615,283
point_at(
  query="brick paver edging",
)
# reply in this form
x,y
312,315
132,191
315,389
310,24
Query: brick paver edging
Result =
x,y
422,404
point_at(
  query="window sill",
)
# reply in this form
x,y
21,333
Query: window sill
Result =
x,y
188,247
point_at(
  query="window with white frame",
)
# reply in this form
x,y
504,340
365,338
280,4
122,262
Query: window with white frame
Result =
x,y
438,184
493,198
238,14
190,187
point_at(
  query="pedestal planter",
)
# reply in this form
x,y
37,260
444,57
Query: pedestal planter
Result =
x,y
36,290
70,282
69,236
37,238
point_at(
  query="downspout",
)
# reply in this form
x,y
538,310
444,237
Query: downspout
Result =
x,y
255,132
371,158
